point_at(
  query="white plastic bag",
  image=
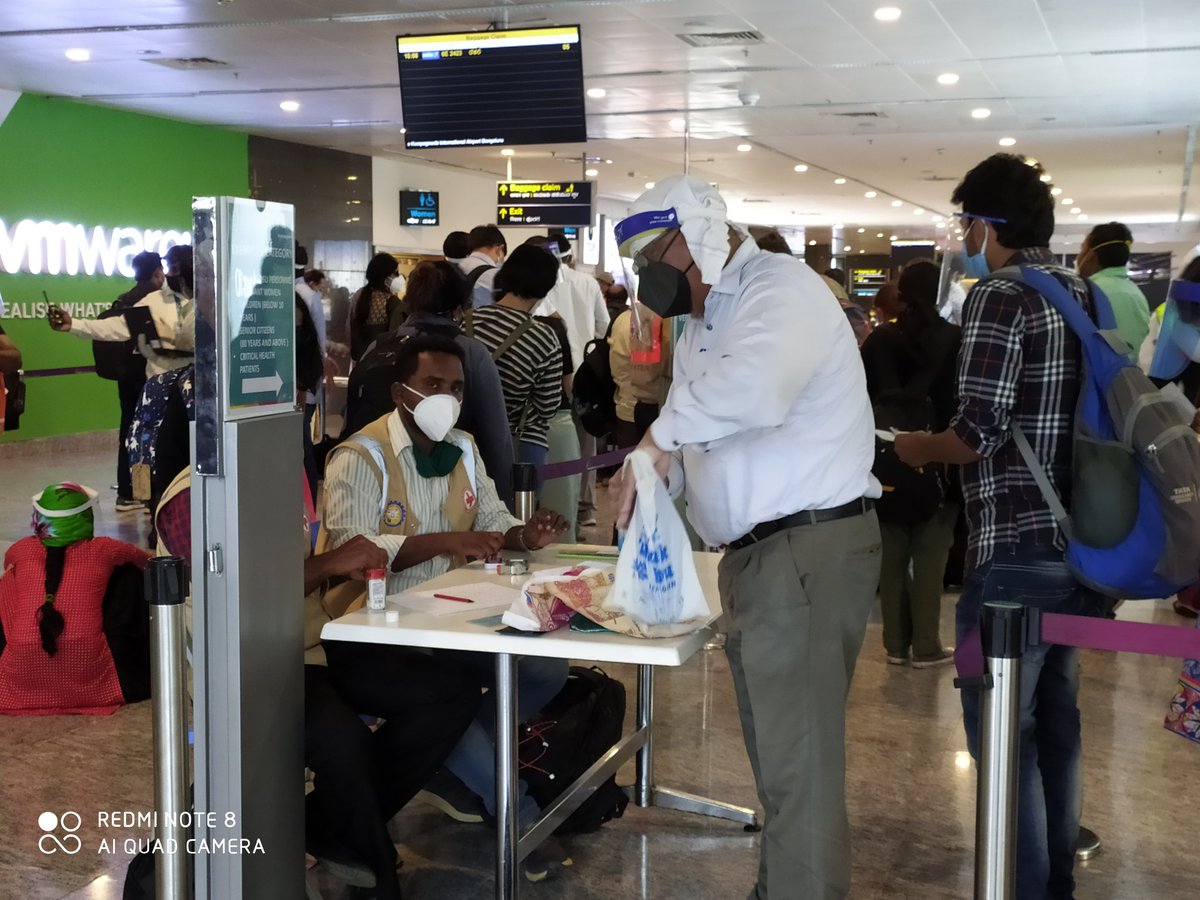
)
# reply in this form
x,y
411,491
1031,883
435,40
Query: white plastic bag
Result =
x,y
656,581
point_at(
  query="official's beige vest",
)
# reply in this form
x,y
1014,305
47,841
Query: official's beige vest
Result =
x,y
374,444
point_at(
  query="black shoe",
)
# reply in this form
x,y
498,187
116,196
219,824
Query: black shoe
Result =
x,y
445,792
546,861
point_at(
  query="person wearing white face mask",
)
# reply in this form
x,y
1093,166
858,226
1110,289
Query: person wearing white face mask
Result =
x,y
417,487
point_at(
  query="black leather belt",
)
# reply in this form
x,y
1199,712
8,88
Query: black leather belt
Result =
x,y
763,531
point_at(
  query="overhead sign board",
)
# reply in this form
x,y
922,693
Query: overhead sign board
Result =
x,y
544,203
419,208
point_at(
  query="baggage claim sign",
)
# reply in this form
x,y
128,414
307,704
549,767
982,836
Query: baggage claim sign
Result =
x,y
64,248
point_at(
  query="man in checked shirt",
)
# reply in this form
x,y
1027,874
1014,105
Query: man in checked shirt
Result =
x,y
1019,365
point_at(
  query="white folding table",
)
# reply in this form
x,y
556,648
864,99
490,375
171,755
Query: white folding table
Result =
x,y
476,630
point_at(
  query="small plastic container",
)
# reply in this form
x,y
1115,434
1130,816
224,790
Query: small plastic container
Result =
x,y
493,564
376,589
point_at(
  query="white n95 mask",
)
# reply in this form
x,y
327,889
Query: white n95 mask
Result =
x,y
435,415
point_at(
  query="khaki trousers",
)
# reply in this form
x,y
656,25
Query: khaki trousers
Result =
x,y
797,605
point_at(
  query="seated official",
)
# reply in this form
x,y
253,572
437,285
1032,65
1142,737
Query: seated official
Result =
x,y
418,489
74,628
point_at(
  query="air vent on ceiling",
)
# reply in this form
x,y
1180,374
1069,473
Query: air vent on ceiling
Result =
x,y
940,177
756,200
191,64
722,38
858,114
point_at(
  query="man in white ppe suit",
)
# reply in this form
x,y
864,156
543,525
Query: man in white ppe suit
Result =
x,y
769,431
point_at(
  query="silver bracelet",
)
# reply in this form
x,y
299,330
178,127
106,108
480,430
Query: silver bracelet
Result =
x,y
521,540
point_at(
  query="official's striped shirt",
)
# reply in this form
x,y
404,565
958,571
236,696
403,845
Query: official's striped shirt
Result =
x,y
353,497
1019,362
531,370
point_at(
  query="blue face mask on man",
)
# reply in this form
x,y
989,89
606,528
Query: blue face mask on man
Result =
x,y
975,265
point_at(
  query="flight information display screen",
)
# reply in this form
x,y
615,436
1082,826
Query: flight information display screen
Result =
x,y
492,88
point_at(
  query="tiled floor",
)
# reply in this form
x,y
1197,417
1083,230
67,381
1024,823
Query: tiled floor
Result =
x,y
911,791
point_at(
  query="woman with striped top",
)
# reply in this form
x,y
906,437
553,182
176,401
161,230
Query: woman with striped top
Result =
x,y
527,352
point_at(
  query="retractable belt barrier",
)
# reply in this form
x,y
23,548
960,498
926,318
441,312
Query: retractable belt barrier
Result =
x,y
989,658
587,464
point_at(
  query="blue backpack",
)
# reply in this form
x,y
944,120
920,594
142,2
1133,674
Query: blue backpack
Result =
x,y
1133,530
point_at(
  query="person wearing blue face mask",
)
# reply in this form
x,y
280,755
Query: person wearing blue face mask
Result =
x,y
1019,375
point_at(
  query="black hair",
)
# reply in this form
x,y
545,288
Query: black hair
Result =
x,y
564,245
618,294
1191,272
918,285
437,287
837,275
1006,186
49,620
379,269
455,246
773,242
1113,254
180,257
145,264
314,276
408,357
528,273
485,236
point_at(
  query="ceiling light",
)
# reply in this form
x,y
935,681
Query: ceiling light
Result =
x,y
897,203
846,248
1068,202
918,211
1075,210
1007,142
947,78
1082,217
870,195
939,224
744,148
649,184
839,226
981,113
608,162
403,130
78,54
352,178
1030,161
879,235
862,230
596,92
677,124
812,243
800,168
887,13
839,181
289,106
893,238
591,173
1056,191
507,151
862,251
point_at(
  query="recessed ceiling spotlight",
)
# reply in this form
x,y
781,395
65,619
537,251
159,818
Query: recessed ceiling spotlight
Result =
x,y
839,226
897,203
893,238
596,92
78,54
649,184
1068,202
608,162
812,243
591,173
744,148
678,124
980,113
1075,210
839,181
862,251
871,195
918,211
1007,142
800,167
403,130
507,151
887,13
879,235
846,248
1030,161
352,178
289,106
1082,217
1056,191
948,78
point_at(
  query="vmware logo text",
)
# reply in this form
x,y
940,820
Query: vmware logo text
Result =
x,y
64,248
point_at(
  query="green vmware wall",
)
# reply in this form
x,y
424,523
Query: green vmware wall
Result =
x,y
68,162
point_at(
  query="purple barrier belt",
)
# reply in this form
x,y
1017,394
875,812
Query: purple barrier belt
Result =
x,y
579,466
1093,633
44,373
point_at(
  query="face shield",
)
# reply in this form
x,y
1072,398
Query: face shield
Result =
x,y
1179,338
961,268
656,289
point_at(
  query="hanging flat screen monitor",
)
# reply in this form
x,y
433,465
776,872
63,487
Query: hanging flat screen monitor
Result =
x,y
492,88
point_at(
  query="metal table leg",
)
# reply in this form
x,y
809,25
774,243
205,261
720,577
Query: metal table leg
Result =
x,y
506,776
646,793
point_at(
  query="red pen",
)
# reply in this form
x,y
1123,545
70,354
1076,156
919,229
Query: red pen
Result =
x,y
455,599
